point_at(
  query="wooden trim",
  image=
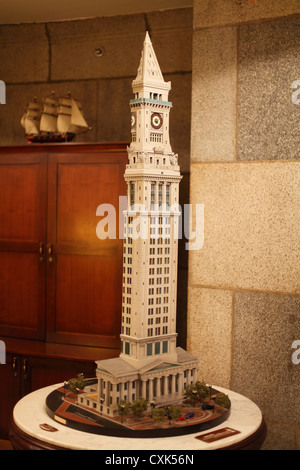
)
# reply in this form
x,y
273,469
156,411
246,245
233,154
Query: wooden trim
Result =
x,y
57,351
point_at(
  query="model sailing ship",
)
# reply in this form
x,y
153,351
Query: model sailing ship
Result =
x,y
150,369
56,120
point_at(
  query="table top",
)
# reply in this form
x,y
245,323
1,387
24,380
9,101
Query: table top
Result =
x,y
30,413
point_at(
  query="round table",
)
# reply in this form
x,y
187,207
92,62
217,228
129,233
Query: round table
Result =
x,y
29,415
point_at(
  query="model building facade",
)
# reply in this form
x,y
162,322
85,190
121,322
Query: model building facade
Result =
x,y
150,364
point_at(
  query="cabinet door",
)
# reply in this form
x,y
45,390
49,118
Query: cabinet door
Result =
x,y
39,372
23,205
84,273
10,391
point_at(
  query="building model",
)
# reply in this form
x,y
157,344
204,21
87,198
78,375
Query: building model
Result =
x,y
150,364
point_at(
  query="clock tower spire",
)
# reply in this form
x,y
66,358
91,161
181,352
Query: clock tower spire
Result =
x,y
150,107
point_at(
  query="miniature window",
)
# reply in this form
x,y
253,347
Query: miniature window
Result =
x,y
131,194
165,347
127,348
155,138
149,349
168,195
160,195
157,348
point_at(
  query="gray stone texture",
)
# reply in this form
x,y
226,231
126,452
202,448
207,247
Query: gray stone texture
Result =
x,y
281,436
265,326
244,169
73,45
213,134
210,333
268,64
251,225
24,53
172,36
209,13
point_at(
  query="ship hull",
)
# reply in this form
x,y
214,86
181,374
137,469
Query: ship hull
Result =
x,y
50,138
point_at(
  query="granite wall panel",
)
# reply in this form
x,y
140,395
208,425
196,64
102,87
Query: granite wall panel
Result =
x,y
211,13
209,333
24,53
268,65
251,226
73,46
213,134
172,36
265,326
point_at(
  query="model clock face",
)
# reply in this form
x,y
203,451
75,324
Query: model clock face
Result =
x,y
156,120
133,120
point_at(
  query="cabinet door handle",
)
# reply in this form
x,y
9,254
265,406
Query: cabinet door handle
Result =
x,y
41,252
50,253
25,369
15,366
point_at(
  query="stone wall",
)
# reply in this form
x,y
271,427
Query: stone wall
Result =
x,y
244,284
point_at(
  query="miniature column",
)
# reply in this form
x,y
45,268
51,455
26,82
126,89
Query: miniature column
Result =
x,y
143,388
151,389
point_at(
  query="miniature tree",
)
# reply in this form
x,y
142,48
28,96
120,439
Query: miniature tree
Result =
x,y
203,390
123,408
175,411
139,406
222,400
77,383
198,391
158,414
191,391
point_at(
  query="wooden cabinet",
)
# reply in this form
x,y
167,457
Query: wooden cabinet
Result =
x,y
59,283
23,374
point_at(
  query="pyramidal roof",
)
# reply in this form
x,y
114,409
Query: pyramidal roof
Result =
x,y
149,72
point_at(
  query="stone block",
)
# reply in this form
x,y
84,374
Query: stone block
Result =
x,y
24,53
73,46
251,225
280,437
268,119
180,117
113,110
208,13
171,35
213,128
265,326
209,333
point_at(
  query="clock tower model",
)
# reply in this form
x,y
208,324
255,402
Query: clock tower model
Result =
x,y
150,364
150,260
